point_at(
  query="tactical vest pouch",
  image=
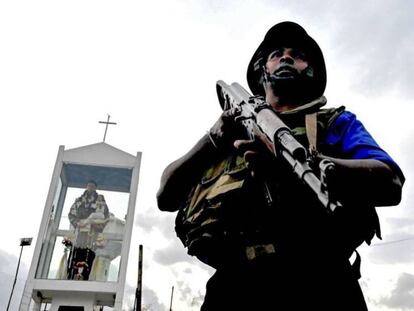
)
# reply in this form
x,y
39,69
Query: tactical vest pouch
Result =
x,y
201,222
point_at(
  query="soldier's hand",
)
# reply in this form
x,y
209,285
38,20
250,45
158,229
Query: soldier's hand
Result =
x,y
259,159
226,130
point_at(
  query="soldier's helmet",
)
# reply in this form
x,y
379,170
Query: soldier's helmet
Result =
x,y
288,34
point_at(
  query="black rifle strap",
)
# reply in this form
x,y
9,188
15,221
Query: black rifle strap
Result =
x,y
311,132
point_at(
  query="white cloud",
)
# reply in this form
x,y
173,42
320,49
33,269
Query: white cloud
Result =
x,y
153,67
8,266
402,296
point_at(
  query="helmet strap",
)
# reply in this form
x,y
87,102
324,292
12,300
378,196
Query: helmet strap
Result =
x,y
265,75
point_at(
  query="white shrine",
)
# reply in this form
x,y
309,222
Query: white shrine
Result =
x,y
51,280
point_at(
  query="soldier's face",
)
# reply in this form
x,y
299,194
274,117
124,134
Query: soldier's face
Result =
x,y
286,62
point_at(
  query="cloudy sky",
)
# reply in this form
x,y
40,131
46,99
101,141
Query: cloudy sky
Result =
x,y
152,65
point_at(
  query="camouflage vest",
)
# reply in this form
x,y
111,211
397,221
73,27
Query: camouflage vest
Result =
x,y
226,216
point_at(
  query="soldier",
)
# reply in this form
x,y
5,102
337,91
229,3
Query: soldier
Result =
x,y
288,253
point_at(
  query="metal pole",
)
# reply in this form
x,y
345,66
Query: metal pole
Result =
x,y
138,291
15,277
172,294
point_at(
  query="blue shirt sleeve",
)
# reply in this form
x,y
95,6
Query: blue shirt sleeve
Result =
x,y
349,139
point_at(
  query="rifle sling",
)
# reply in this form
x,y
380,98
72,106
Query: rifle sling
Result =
x,y
311,131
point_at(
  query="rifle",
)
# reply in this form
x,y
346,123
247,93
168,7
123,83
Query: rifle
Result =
x,y
261,121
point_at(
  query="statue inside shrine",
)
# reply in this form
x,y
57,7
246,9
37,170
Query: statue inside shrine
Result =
x,y
88,216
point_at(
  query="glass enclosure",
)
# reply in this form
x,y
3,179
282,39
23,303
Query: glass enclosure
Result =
x,y
85,231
